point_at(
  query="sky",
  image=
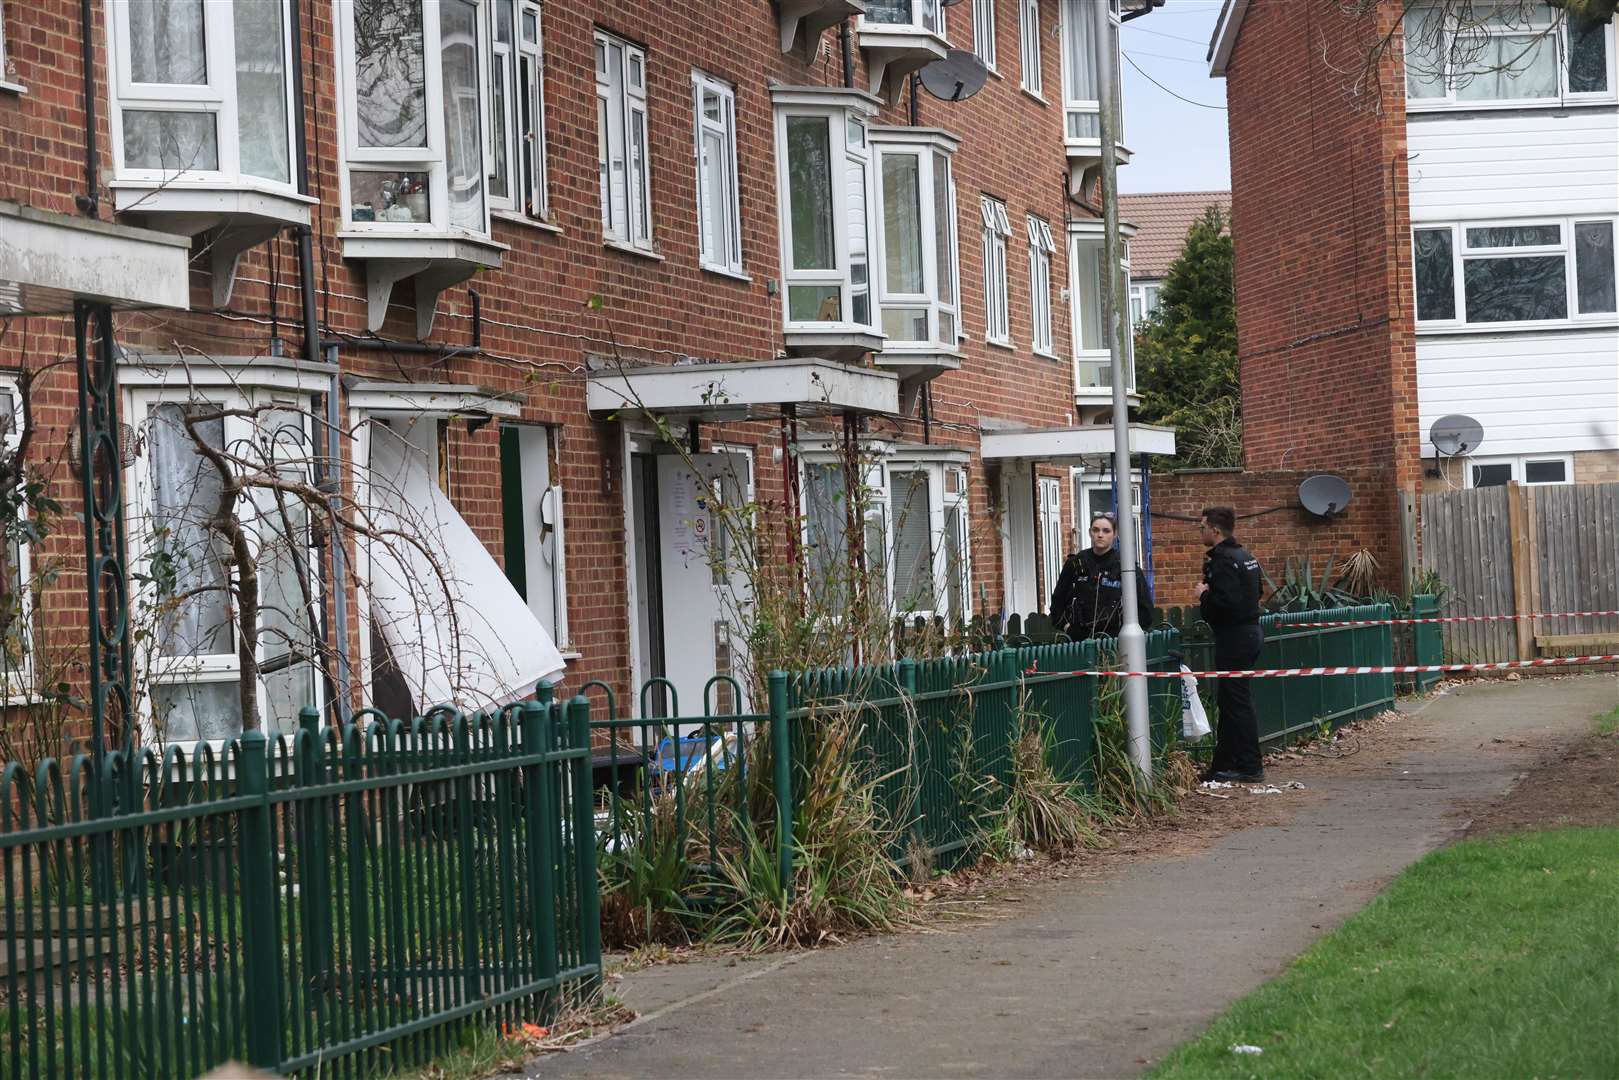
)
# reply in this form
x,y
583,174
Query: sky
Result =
x,y
1175,146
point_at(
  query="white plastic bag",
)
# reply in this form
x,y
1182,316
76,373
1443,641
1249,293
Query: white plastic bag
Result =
x,y
1194,719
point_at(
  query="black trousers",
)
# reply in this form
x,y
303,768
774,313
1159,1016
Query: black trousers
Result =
x,y
1236,742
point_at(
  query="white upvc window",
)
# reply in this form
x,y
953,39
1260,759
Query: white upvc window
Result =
x,y
1029,45
719,211
1093,370
412,86
1557,270
188,591
930,564
984,31
7,80
623,153
918,283
1097,495
1082,93
1530,469
201,92
1052,553
1504,58
16,602
826,525
1042,246
823,159
517,164
921,15
997,230
1143,302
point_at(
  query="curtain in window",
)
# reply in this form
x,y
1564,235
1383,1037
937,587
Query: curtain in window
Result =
x,y
859,255
913,549
1508,67
1087,272
261,88
287,586
390,73
902,223
1424,54
463,132
1594,269
188,558
889,11
167,42
1079,68
944,246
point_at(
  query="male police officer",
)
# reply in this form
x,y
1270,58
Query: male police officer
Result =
x,y
1229,599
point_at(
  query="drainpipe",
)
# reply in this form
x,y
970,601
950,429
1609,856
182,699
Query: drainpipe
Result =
x,y
847,41
89,204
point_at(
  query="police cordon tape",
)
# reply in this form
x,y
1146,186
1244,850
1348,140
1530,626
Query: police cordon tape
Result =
x,y
1458,619
1386,669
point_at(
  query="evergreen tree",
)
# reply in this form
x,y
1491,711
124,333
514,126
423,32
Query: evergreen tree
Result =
x,y
1186,353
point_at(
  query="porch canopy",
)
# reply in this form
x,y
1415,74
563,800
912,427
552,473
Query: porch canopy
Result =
x,y
1069,445
48,261
715,391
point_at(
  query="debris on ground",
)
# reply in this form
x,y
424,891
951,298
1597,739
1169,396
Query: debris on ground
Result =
x,y
1244,1048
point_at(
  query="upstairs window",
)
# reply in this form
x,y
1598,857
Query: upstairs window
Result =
x,y
1029,45
1544,271
1082,92
517,87
1041,248
984,31
997,230
201,91
719,215
823,159
924,15
1480,56
1087,268
414,115
622,149
916,237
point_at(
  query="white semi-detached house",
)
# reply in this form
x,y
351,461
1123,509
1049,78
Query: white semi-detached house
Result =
x,y
1514,181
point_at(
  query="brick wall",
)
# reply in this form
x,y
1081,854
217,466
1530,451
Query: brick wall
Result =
x,y
538,326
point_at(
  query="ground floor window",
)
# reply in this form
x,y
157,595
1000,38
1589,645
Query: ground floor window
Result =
x,y
1527,469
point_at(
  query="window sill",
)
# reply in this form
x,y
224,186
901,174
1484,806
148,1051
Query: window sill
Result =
x,y
1609,322
13,88
515,218
1032,96
1047,354
1001,343
1530,105
631,249
727,272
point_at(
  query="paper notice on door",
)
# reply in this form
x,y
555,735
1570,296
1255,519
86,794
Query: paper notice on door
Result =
x,y
682,508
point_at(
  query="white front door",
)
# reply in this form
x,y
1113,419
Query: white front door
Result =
x,y
704,592
1017,534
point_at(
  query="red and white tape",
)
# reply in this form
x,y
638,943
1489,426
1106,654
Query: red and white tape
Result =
x,y
1387,669
1458,619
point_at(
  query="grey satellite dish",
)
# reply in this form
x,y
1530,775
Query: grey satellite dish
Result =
x,y
1324,495
1456,434
957,77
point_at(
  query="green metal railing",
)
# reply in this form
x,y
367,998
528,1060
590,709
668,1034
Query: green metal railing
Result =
x,y
332,903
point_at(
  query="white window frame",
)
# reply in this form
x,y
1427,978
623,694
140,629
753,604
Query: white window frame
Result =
x,y
1557,39
984,32
432,159
216,96
622,101
1520,465
17,684
1031,78
849,143
528,195
1042,246
1083,484
929,146
1073,10
1093,367
6,83
997,229
874,514
922,12
940,502
140,404
718,249
1050,519
1143,301
1461,252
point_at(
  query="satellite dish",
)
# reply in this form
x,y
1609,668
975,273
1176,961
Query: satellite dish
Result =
x,y
1324,495
1456,434
957,77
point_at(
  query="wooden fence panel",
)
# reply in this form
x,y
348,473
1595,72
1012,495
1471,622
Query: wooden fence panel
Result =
x,y
1577,563
1467,538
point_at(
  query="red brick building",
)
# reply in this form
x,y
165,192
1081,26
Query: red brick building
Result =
x,y
517,211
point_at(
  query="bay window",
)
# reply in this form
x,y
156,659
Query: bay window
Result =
x,y
1486,57
1087,269
997,230
622,149
16,608
719,216
1041,247
189,588
899,37
1029,45
921,15
931,561
517,181
823,186
1513,272
916,238
1082,92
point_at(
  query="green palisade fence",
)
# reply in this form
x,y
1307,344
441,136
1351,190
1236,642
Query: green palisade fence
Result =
x,y
333,903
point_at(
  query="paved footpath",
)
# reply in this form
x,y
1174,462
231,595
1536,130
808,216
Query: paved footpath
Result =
x,y
1097,977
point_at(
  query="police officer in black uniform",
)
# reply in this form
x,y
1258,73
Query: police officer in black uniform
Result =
x,y
1229,599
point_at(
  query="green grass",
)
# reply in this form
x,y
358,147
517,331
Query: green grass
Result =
x,y
1606,723
1492,958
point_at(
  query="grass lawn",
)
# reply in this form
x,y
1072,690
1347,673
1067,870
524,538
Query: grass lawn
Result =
x,y
1606,723
1493,958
